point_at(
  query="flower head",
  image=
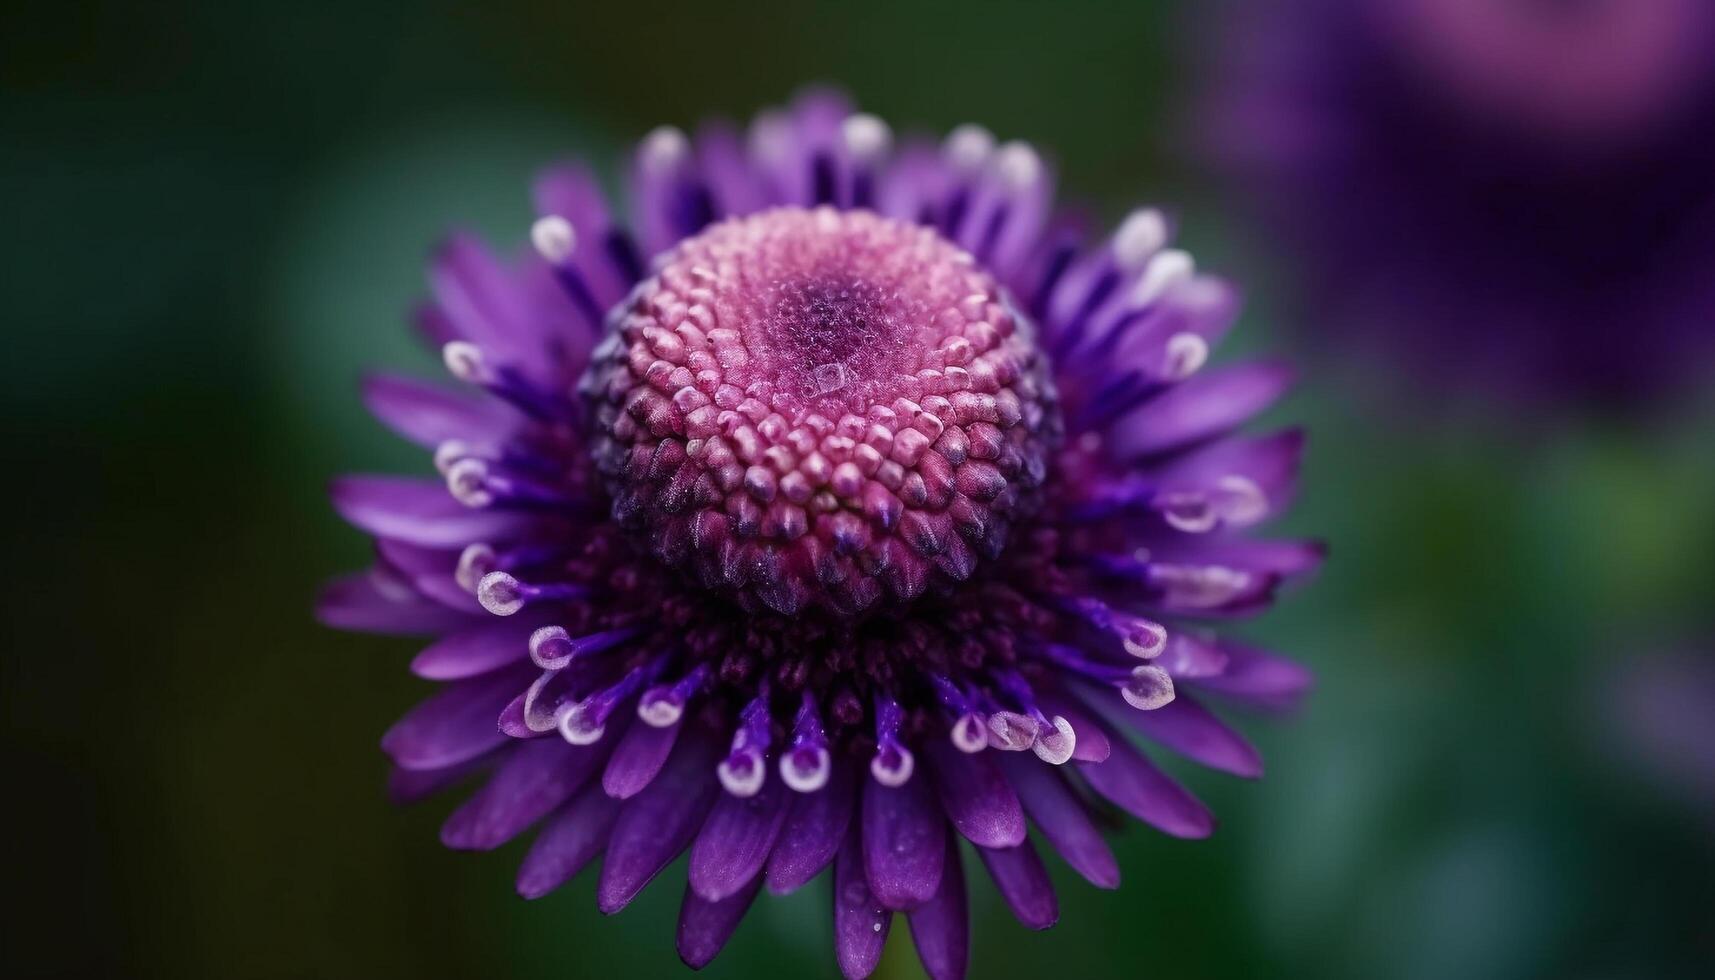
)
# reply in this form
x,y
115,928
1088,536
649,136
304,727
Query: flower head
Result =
x,y
1516,198
878,510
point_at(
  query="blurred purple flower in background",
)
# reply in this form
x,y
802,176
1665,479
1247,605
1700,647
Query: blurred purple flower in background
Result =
x,y
883,508
1660,710
1514,197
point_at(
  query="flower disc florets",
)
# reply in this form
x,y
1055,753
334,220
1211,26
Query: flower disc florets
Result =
x,y
821,407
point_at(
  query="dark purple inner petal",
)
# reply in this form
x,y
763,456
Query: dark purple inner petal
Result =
x,y
705,925
815,825
976,796
903,840
640,755
658,823
570,839
1023,881
1063,820
735,840
941,927
861,920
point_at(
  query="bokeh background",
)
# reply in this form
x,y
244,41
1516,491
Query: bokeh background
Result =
x,y
216,212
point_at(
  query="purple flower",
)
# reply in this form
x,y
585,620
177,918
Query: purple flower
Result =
x,y
1516,198
879,509
1660,714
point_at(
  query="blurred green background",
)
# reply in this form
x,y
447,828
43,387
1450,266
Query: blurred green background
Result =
x,y
216,213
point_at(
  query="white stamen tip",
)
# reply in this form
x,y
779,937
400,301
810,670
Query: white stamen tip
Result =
x,y
1010,731
551,648
806,770
970,734
392,585
450,452
1140,235
554,238
464,361
467,481
475,561
538,715
1187,510
1143,639
866,136
578,727
893,766
1150,687
1185,355
1054,746
742,773
664,149
661,711
1018,165
1200,586
968,147
1167,269
1241,501
500,594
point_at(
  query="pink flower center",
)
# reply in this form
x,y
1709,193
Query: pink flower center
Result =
x,y
821,408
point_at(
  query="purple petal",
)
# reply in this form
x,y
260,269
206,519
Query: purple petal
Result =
x,y
1269,462
731,178
815,825
1023,881
1187,728
917,179
705,926
1285,558
1188,657
860,920
572,192
1201,408
815,128
941,927
432,325
1025,226
1132,783
903,838
429,414
416,511
661,193
512,719
480,298
1258,678
535,778
637,760
659,822
411,785
1063,819
571,839
356,602
976,796
454,725
1203,307
475,651
430,572
736,839
569,190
